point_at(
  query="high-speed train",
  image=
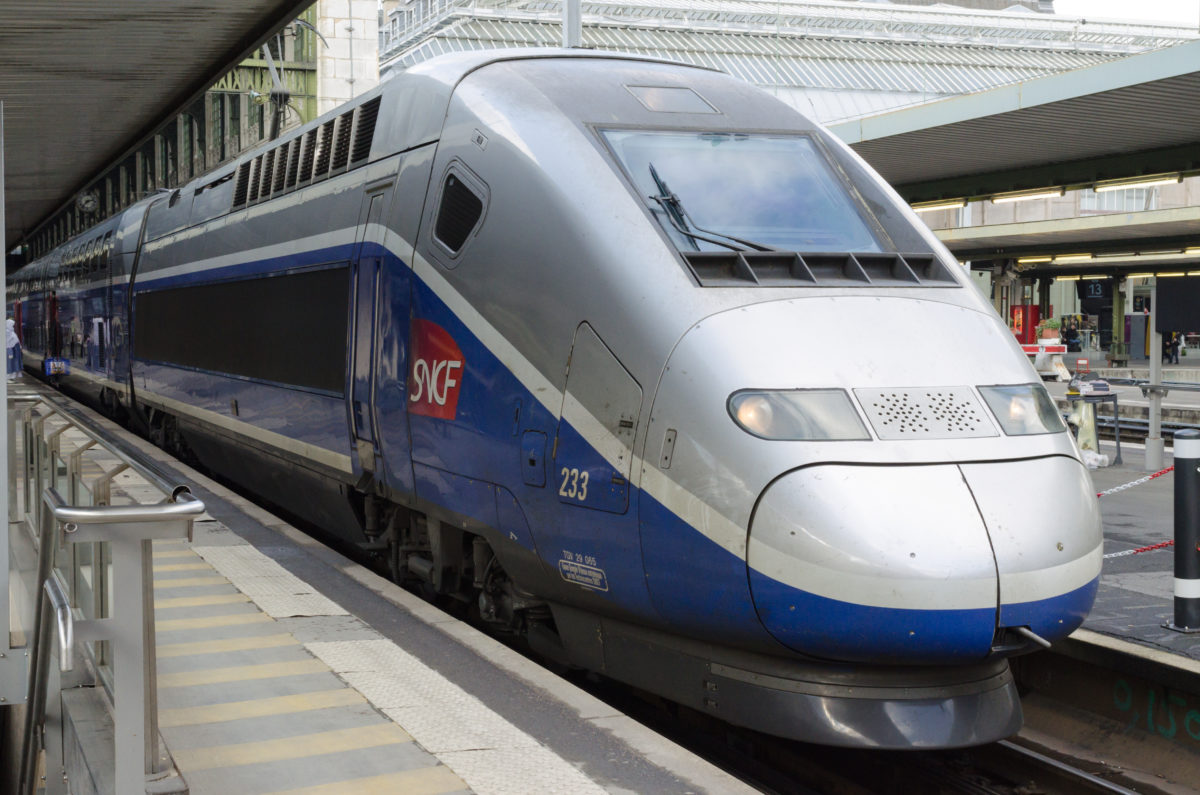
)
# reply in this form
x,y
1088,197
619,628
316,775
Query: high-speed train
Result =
x,y
630,357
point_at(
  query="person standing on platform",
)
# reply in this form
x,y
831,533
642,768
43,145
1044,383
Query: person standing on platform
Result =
x,y
12,345
1174,348
1071,337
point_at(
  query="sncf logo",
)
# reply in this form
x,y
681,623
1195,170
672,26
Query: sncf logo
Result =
x,y
436,374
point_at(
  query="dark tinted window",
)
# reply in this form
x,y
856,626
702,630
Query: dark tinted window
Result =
x,y
458,213
284,329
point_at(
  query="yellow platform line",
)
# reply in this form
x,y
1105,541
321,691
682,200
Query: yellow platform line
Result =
x,y
174,553
241,673
305,745
170,602
259,707
422,781
198,566
208,622
184,582
227,644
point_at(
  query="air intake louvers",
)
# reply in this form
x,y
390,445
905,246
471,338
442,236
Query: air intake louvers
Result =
x,y
335,146
364,131
341,149
323,150
793,269
243,183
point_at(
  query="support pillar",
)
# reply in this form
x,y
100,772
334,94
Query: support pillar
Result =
x,y
1154,440
1117,347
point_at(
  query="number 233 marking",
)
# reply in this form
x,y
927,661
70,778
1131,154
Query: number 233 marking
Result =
x,y
574,484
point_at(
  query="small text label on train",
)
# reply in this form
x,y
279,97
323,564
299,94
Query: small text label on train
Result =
x,y
581,570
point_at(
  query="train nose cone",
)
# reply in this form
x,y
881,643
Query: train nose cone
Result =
x,y
872,563
1044,522
899,563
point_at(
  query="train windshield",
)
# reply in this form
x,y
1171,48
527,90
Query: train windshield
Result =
x,y
722,191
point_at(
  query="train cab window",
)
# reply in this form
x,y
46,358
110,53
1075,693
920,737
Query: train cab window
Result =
x,y
723,191
460,208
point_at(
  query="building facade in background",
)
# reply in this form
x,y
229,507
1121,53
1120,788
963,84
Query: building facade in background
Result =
x,y
325,57
833,61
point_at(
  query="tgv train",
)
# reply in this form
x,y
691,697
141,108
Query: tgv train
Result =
x,y
631,358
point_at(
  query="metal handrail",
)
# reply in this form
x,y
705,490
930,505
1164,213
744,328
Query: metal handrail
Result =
x,y
154,476
128,531
66,622
189,509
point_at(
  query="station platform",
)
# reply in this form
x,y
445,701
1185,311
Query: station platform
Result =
x,y
283,667
1137,590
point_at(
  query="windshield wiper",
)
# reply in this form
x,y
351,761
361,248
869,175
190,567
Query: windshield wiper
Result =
x,y
683,223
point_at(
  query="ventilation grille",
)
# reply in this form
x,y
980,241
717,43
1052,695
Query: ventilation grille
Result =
x,y
790,269
335,146
243,183
255,171
281,163
306,162
457,215
324,144
364,131
293,163
268,169
341,149
925,413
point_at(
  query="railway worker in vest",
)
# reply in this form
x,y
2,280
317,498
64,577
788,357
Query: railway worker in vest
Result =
x,y
13,345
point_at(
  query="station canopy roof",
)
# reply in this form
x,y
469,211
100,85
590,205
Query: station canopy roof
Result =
x,y
83,82
1134,116
1131,120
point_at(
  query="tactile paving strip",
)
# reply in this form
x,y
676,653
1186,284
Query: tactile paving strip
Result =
x,y
278,592
487,751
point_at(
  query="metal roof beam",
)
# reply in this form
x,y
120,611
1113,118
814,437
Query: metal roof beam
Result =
x,y
1074,174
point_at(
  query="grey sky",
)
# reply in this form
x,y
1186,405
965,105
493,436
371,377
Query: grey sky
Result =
x,y
1182,12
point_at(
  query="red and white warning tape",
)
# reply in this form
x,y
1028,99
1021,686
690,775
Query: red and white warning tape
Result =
x,y
1133,483
1125,552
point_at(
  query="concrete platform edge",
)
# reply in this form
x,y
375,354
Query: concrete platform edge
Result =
x,y
1166,667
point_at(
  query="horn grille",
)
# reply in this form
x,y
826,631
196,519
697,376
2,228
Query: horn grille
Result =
x,y
925,413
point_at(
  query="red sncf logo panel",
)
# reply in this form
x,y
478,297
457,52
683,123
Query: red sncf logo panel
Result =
x,y
435,375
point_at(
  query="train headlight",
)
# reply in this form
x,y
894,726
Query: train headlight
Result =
x,y
797,414
1023,409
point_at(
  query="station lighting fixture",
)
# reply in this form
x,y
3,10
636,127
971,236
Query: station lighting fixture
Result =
x,y
1094,276
941,204
1193,273
1025,195
1033,260
1172,273
1137,182
1192,250
1073,258
1066,278
1139,275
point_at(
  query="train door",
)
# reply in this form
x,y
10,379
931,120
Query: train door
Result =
x,y
368,273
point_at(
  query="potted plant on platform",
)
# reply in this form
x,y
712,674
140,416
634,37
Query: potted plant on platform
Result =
x,y
1048,328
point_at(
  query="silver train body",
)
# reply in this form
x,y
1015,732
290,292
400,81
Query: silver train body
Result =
x,y
633,358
